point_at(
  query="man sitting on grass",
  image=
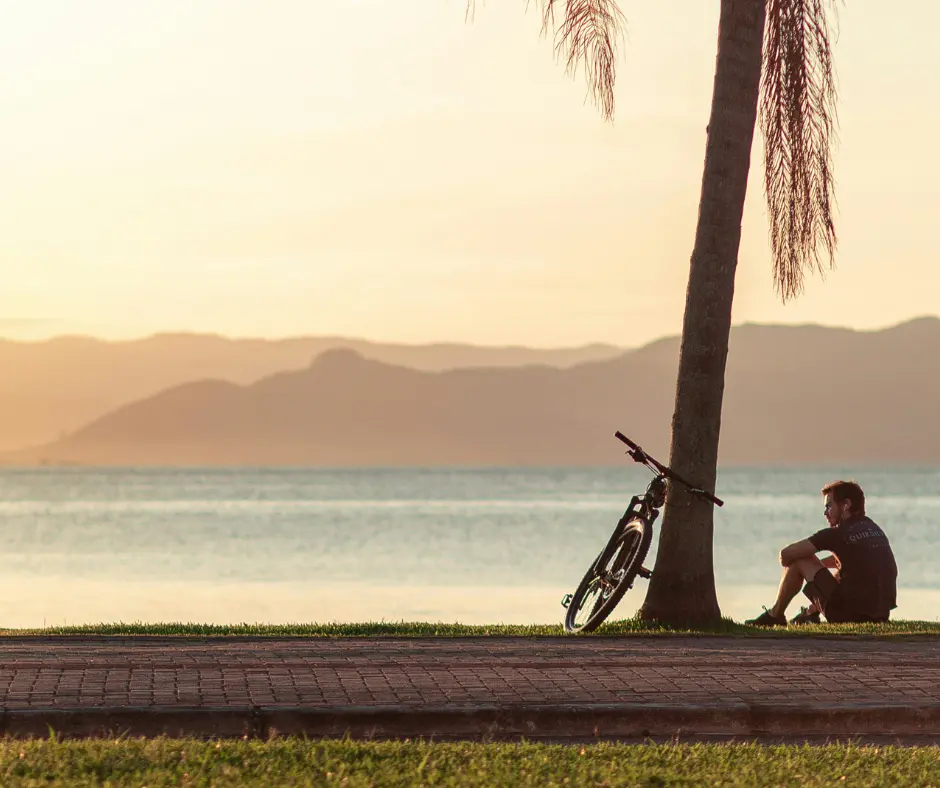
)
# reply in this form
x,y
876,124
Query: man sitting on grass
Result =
x,y
864,587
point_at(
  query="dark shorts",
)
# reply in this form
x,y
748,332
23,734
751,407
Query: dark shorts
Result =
x,y
824,590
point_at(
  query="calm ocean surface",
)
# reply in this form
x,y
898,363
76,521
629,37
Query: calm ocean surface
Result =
x,y
278,546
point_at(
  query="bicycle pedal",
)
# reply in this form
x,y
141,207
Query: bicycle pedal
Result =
x,y
566,600
645,573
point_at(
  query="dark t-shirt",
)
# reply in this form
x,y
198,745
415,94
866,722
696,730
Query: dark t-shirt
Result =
x,y
868,575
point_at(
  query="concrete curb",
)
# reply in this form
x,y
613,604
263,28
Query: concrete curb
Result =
x,y
477,722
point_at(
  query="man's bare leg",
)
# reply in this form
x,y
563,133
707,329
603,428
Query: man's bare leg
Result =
x,y
792,581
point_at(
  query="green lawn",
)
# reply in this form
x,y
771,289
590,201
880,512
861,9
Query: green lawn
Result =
x,y
160,762
406,629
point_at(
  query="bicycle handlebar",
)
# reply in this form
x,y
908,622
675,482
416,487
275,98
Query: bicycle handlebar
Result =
x,y
637,453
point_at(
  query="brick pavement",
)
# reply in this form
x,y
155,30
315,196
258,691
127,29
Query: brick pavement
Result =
x,y
333,680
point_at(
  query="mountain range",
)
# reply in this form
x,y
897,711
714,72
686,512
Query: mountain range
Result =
x,y
56,386
794,395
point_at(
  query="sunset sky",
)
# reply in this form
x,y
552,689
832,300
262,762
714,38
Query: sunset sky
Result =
x,y
385,169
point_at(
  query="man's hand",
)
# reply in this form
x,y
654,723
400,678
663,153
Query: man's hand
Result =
x,y
796,551
831,562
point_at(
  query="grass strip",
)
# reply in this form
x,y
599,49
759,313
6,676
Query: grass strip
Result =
x,y
372,629
297,762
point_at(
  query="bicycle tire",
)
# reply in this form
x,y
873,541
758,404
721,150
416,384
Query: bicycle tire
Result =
x,y
629,563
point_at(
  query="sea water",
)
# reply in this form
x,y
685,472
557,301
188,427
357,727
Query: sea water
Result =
x,y
476,546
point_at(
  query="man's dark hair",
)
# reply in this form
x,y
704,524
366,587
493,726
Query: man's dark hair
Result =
x,y
847,490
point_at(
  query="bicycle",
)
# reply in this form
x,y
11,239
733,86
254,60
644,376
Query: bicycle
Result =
x,y
621,561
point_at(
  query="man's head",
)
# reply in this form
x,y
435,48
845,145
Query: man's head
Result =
x,y
843,500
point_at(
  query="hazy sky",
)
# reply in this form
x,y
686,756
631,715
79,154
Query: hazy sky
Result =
x,y
382,168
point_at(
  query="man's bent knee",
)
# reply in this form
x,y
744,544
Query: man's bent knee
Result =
x,y
808,567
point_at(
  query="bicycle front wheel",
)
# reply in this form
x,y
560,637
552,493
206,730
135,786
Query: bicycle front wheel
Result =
x,y
603,587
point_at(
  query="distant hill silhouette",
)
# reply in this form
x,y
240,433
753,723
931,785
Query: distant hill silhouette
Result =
x,y
794,395
56,386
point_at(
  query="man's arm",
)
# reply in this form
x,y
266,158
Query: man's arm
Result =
x,y
794,552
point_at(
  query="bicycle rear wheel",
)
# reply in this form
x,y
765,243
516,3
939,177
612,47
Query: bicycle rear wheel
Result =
x,y
602,587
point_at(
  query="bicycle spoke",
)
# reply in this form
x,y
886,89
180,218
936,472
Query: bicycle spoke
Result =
x,y
590,602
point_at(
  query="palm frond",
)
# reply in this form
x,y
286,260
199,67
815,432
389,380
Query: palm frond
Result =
x,y
586,32
798,119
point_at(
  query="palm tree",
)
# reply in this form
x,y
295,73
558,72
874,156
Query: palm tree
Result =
x,y
774,61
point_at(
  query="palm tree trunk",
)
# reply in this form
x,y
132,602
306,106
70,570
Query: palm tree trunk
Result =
x,y
682,588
